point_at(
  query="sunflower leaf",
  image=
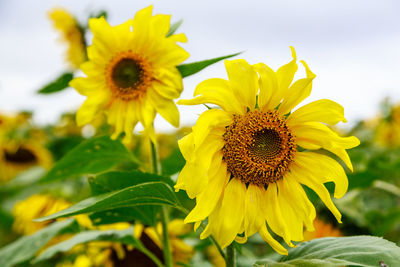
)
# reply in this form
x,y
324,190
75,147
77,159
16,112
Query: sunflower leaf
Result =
x,y
174,27
26,247
122,236
91,157
152,193
59,84
192,68
366,251
117,180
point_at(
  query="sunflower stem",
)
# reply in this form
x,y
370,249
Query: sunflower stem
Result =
x,y
164,212
231,255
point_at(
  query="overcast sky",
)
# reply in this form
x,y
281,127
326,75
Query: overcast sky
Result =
x,y
352,46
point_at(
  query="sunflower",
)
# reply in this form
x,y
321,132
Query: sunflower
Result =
x,y
246,162
131,73
71,34
387,132
150,237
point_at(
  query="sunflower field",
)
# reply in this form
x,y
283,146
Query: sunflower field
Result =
x,y
260,178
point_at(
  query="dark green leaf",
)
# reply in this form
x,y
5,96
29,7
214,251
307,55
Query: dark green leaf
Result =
x,y
152,193
91,157
174,27
366,251
192,68
146,214
173,163
26,247
117,180
57,85
111,181
121,236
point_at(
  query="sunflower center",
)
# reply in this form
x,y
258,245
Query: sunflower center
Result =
x,y
21,156
126,73
128,76
259,147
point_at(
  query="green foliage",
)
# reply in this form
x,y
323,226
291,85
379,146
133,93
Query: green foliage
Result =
x,y
174,27
57,85
366,251
192,68
91,157
111,181
121,236
26,247
173,163
152,193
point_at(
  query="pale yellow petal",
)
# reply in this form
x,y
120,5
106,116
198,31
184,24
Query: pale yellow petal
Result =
x,y
270,93
273,214
253,207
304,177
186,146
207,200
289,213
285,74
314,135
266,236
207,121
88,86
325,169
226,220
324,110
299,90
165,107
91,107
243,81
215,91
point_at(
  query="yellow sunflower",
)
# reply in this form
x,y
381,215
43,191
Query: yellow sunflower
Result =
x,y
131,73
246,162
72,35
387,132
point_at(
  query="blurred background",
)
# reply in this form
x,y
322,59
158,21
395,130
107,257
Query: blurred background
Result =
x,y
352,46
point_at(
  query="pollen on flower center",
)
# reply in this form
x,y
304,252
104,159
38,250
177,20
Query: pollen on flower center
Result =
x,y
259,147
128,76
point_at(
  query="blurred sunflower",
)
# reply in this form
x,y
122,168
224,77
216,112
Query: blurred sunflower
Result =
x,y
21,146
387,132
71,34
131,73
246,163
150,237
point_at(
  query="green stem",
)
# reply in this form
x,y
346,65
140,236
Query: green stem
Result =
x,y
164,213
149,254
231,256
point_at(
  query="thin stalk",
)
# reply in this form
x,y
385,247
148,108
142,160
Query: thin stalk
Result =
x,y
153,257
164,213
231,255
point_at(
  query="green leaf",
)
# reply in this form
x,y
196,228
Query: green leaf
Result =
x,y
117,180
174,27
173,163
59,84
152,193
91,157
121,236
366,251
111,181
26,247
192,68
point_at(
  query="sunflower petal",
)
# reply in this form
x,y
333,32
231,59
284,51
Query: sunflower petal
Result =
x,y
91,107
270,93
266,236
243,81
215,91
314,135
299,90
324,110
285,74
253,207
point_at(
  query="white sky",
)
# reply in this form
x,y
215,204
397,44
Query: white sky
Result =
x,y
352,46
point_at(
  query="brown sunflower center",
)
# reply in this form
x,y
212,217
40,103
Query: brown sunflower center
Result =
x,y
259,147
20,156
128,76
